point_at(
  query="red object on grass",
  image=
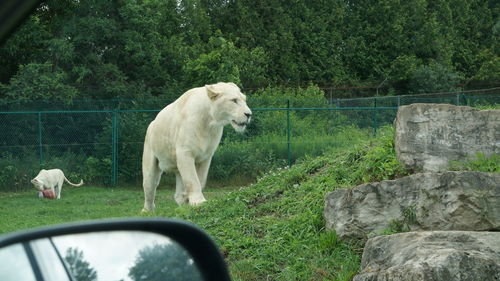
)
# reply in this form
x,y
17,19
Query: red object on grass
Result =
x,y
48,193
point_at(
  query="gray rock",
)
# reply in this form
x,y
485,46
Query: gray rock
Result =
x,y
428,201
432,256
429,136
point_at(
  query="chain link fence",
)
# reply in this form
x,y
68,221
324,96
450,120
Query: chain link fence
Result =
x,y
102,141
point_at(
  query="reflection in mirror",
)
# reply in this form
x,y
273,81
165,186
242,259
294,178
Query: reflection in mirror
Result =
x,y
125,256
15,264
48,261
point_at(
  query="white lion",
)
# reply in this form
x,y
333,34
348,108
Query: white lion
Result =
x,y
52,179
183,138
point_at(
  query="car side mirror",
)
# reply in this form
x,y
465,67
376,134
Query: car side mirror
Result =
x,y
120,249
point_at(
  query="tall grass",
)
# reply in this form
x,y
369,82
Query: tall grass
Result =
x,y
248,159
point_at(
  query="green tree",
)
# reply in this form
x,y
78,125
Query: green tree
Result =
x,y
434,78
81,269
36,81
164,262
220,64
128,49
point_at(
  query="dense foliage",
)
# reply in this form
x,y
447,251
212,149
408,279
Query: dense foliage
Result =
x,y
107,49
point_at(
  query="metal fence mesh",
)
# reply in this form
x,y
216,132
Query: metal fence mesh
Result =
x,y
102,141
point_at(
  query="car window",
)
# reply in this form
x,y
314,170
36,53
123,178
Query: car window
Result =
x,y
15,265
51,265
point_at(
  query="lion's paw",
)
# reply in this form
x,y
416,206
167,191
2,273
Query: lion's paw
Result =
x,y
148,208
196,200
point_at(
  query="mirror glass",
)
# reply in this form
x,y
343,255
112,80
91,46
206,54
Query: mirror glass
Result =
x,y
100,256
14,264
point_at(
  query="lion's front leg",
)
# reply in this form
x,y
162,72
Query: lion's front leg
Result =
x,y
202,171
180,192
187,170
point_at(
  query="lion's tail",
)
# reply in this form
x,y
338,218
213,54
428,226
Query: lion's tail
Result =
x,y
79,184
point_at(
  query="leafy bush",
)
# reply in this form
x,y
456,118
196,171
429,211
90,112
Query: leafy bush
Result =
x,y
16,173
434,78
97,171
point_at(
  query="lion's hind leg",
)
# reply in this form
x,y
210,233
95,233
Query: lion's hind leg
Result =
x,y
151,174
57,189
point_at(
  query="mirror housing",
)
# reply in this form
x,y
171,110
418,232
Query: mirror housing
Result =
x,y
13,13
194,240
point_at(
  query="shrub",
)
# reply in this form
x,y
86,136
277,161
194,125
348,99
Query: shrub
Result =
x,y
16,173
434,78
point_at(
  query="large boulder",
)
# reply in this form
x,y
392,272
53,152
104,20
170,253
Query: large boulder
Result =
x,y
429,136
432,256
427,201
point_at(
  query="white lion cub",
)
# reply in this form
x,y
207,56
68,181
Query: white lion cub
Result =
x,y
52,179
183,138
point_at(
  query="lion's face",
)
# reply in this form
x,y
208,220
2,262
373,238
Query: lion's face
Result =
x,y
230,105
38,184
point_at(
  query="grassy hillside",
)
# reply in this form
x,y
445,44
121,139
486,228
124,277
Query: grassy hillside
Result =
x,y
274,229
271,230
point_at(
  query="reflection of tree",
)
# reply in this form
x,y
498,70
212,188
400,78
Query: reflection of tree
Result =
x,y
164,262
80,268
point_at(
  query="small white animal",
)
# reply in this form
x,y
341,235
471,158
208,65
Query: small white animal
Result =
x,y
183,138
52,179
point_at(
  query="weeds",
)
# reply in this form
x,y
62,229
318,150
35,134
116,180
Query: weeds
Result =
x,y
479,162
403,225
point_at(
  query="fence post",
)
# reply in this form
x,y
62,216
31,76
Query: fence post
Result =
x,y
458,99
288,133
374,116
40,144
114,148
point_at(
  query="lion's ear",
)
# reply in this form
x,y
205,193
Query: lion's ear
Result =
x,y
212,92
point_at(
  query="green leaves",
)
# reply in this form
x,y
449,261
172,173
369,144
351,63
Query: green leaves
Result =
x,y
103,48
225,62
434,78
40,81
219,64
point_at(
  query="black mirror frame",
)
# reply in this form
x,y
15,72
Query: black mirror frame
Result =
x,y
199,244
13,13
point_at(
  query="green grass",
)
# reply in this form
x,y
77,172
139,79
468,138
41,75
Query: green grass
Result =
x,y
478,162
23,210
270,230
